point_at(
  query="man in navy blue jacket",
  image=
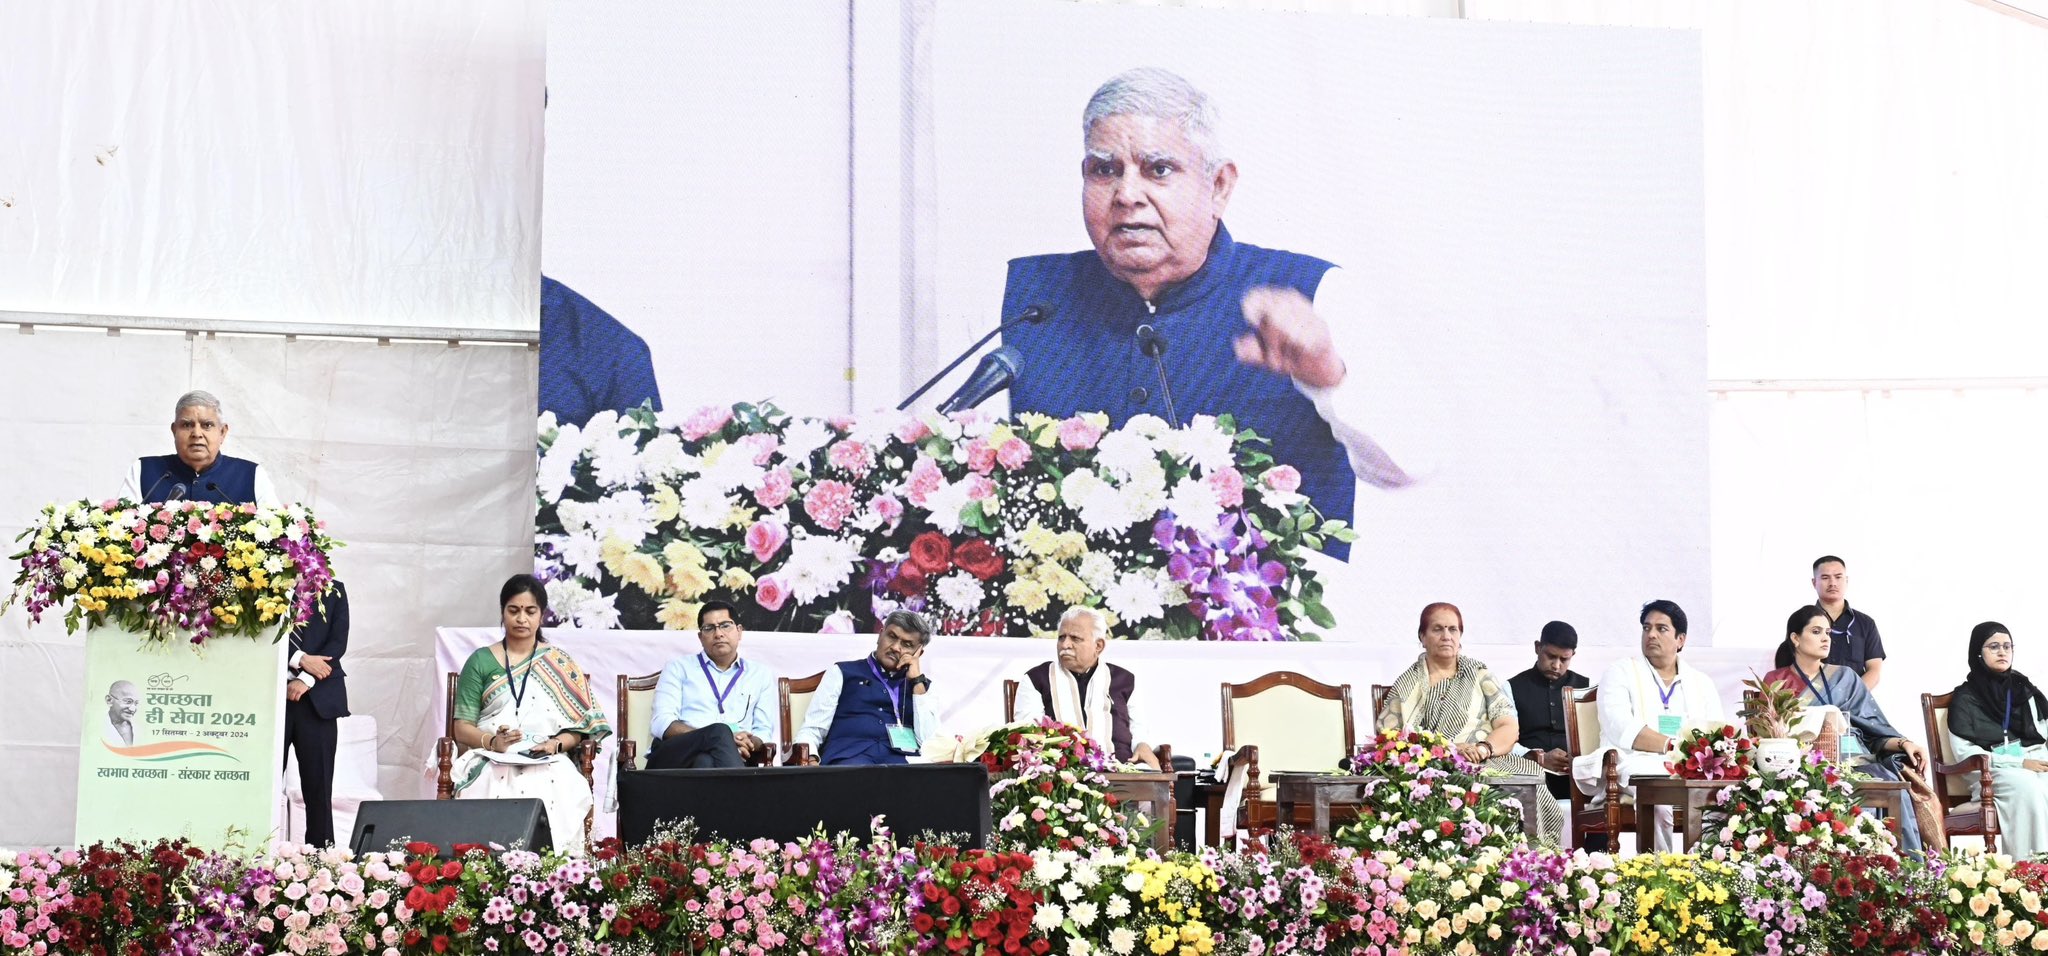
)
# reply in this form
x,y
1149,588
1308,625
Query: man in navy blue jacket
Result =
x,y
316,697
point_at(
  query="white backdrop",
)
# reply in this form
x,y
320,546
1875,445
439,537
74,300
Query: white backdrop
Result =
x,y
375,162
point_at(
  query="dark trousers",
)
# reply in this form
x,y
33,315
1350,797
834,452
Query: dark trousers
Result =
x,y
699,749
315,738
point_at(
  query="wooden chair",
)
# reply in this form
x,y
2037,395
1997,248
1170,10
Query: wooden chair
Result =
x,y
446,750
1951,786
1282,721
1379,702
1164,752
1581,735
636,719
793,696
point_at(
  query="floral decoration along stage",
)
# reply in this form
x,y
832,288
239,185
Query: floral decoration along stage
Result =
x,y
991,527
1424,800
175,571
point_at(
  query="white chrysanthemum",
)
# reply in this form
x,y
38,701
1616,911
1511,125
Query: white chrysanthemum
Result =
x,y
1086,874
1136,596
558,466
580,606
1122,940
1194,505
1133,882
961,591
945,506
1119,907
1201,444
805,435
1097,570
819,565
614,458
1047,868
1048,918
733,468
1122,452
705,503
1150,426
624,515
1070,891
664,456
1077,946
580,552
1082,913
156,553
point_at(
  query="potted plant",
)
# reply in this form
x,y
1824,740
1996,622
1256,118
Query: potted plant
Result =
x,y
1770,710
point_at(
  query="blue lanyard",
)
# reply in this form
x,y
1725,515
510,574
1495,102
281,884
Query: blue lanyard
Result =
x,y
2007,727
518,688
895,694
717,695
1817,693
1664,693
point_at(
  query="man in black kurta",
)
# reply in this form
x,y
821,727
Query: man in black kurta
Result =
x,y
1539,703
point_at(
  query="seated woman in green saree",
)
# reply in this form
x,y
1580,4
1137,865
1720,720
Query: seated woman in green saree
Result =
x,y
521,705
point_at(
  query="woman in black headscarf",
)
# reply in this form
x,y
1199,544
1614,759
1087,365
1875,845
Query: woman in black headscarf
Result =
x,y
1998,711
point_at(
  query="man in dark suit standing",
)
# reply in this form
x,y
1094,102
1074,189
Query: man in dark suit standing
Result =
x,y
316,695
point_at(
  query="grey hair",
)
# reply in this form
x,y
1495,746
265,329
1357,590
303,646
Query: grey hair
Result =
x,y
1094,615
912,622
1160,94
198,399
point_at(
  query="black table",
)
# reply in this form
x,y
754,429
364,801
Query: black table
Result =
x,y
789,803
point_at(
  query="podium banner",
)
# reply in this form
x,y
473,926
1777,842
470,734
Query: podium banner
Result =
x,y
180,740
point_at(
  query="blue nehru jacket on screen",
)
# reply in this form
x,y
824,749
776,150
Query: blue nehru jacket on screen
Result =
x,y
228,481
1086,358
589,361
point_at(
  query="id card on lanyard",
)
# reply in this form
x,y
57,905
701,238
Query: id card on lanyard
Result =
x,y
902,739
2011,747
1668,723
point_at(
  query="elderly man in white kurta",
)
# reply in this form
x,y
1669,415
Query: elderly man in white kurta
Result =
x,y
1646,704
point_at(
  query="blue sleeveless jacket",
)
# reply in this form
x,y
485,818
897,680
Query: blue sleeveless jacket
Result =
x,y
860,727
232,480
1086,358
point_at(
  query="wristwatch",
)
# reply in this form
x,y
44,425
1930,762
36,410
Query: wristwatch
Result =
x,y
921,682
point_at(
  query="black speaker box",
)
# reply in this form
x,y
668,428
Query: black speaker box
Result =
x,y
387,824
787,803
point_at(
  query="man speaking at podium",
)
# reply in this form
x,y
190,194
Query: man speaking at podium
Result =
x,y
1254,332
198,471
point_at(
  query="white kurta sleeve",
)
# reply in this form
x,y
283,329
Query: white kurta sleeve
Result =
x,y
824,703
266,493
1621,715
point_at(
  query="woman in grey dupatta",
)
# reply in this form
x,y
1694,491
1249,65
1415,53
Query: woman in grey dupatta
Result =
x,y
1452,695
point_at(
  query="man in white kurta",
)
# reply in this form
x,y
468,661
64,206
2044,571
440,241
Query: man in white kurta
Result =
x,y
1646,704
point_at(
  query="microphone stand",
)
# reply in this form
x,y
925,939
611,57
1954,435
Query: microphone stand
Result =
x,y
1037,312
1153,345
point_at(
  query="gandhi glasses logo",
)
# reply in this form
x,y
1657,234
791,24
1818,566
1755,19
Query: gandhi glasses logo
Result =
x,y
173,724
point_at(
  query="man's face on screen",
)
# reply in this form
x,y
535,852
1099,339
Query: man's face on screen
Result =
x,y
1151,210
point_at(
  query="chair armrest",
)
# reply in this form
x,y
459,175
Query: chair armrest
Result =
x,y
764,757
585,754
1979,764
444,768
1610,781
629,751
799,755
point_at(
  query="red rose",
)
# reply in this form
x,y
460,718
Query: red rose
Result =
x,y
440,943
923,923
460,924
931,553
417,848
909,580
451,870
1447,828
977,557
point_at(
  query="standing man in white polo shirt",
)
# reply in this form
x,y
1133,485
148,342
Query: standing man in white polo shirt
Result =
x,y
712,708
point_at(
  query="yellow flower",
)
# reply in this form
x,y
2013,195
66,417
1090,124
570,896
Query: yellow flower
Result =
x,y
633,567
677,614
1026,594
1037,541
678,553
736,579
1046,492
667,504
690,581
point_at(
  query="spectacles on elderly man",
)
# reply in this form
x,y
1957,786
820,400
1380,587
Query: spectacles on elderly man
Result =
x,y
722,627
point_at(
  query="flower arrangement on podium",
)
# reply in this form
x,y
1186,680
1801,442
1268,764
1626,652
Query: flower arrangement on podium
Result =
x,y
989,526
178,570
1049,790
1423,800
1714,753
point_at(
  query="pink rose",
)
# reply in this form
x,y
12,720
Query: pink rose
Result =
x,y
765,538
912,430
1228,485
852,456
840,423
776,487
1014,454
1284,479
979,488
829,504
1078,434
770,593
925,480
980,457
839,622
706,420
157,532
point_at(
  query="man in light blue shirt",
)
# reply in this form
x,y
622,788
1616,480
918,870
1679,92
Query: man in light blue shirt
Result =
x,y
712,709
